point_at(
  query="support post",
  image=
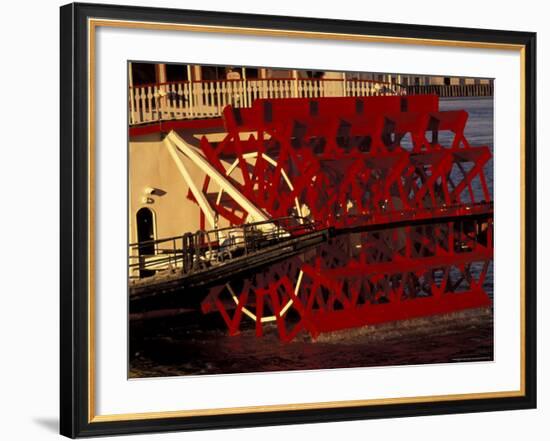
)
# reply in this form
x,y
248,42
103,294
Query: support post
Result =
x,y
200,161
199,196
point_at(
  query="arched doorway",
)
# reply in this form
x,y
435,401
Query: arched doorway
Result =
x,y
145,221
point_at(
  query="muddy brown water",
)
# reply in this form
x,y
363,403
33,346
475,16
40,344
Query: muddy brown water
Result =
x,y
196,349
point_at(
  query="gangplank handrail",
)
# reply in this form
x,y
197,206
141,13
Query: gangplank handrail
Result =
x,y
307,223
193,251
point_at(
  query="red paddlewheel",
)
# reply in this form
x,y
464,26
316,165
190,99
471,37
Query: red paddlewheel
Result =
x,y
348,161
365,278
355,162
265,297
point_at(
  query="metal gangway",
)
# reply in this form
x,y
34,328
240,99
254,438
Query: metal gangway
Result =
x,y
193,252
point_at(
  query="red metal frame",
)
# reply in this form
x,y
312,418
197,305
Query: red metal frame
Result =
x,y
350,166
345,159
365,278
166,126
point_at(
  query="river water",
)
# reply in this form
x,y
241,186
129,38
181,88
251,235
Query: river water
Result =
x,y
196,344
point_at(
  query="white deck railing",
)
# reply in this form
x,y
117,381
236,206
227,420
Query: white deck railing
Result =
x,y
203,99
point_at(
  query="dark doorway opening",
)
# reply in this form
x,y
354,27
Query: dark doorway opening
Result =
x,y
252,73
145,236
176,72
213,73
143,74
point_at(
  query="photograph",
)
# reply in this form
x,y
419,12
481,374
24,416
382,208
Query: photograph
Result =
x,y
282,219
272,218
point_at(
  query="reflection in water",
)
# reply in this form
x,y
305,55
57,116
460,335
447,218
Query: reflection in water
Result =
x,y
365,277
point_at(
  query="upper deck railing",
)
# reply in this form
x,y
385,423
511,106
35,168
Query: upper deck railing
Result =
x,y
205,99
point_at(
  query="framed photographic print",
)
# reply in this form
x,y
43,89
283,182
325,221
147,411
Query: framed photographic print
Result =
x,y
273,220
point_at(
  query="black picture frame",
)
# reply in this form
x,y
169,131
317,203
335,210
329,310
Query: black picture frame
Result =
x,y
77,419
